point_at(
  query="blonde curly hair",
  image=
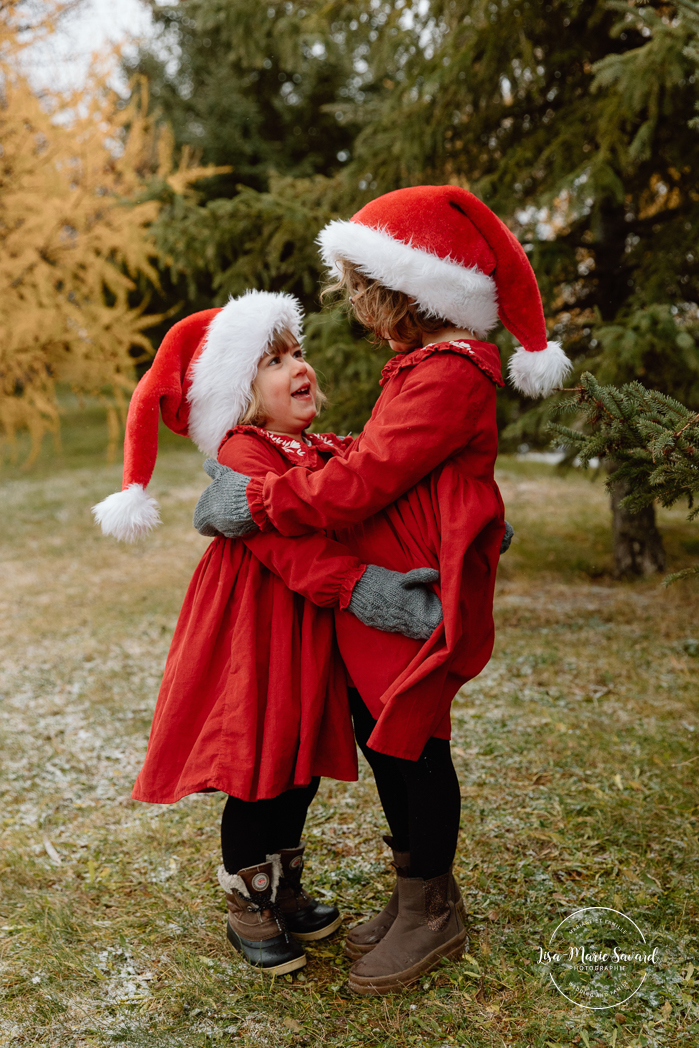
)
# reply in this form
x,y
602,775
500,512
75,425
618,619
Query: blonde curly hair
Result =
x,y
388,314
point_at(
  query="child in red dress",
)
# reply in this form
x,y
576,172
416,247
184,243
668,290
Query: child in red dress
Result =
x,y
254,698
429,269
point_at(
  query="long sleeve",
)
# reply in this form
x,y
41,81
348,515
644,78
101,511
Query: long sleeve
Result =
x,y
313,565
316,567
436,413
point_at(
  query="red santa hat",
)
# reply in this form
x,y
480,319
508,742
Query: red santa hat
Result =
x,y
200,382
442,246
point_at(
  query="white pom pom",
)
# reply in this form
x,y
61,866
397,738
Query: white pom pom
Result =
x,y
536,374
127,514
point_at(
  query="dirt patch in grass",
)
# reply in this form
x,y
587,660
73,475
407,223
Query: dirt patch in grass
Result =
x,y
576,750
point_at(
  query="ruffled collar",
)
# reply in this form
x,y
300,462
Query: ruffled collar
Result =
x,y
484,355
294,449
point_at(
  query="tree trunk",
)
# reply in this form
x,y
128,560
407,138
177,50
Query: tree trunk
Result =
x,y
638,545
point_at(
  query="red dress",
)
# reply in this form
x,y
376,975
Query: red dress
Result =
x,y
254,695
415,489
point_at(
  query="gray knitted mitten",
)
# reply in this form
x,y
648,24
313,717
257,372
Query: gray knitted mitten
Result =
x,y
397,602
507,538
222,508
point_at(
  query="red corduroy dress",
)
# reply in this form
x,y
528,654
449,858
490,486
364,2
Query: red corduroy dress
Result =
x,y
254,695
415,489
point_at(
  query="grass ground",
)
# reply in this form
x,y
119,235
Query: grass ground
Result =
x,y
575,749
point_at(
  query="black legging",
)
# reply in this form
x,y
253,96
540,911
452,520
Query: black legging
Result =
x,y
252,830
421,798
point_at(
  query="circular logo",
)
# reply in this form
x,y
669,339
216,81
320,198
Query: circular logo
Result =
x,y
598,958
296,863
260,882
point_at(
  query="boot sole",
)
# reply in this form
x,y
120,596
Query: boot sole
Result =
x,y
320,933
381,984
275,969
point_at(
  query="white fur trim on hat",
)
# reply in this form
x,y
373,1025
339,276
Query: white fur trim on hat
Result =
x,y
224,371
127,514
537,374
442,287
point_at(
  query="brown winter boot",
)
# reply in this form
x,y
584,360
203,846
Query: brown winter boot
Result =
x,y
364,937
256,926
306,918
429,926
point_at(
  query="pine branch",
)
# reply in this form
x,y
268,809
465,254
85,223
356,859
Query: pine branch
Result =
x,y
653,438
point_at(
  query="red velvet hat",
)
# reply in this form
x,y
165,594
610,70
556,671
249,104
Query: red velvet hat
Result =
x,y
200,382
460,262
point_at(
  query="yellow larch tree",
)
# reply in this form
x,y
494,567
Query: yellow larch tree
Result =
x,y
76,205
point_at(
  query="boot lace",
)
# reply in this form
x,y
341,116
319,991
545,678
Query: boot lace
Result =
x,y
260,903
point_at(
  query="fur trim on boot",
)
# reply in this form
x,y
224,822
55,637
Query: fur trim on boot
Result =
x,y
234,882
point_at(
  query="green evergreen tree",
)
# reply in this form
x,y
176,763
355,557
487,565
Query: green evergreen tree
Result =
x,y
247,84
573,120
278,92
653,438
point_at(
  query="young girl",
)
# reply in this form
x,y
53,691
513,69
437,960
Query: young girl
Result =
x,y
253,700
428,269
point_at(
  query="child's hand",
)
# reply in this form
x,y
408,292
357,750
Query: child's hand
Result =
x,y
223,508
397,602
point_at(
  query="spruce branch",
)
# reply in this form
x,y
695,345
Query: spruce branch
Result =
x,y
653,439
677,576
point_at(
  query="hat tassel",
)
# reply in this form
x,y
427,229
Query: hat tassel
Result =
x,y
536,373
128,515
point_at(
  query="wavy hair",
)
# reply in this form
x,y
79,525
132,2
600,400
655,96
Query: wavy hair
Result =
x,y
386,313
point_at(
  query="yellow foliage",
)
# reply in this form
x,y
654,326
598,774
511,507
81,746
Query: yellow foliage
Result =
x,y
74,221
658,197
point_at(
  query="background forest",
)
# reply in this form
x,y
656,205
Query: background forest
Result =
x,y
575,120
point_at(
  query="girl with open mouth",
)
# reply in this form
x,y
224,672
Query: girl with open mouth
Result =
x,y
254,695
